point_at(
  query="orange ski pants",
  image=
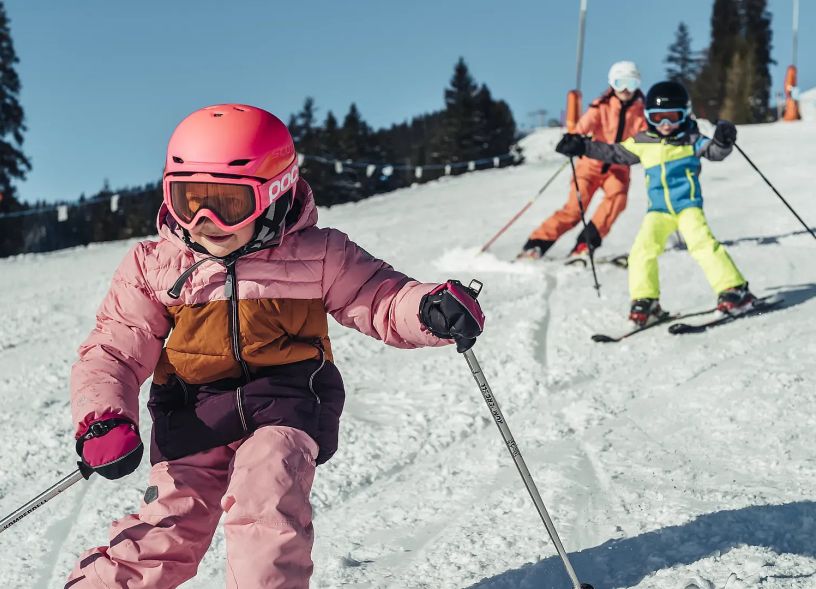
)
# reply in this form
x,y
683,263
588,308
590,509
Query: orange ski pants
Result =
x,y
615,184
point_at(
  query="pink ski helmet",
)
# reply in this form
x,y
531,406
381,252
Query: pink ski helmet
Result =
x,y
228,163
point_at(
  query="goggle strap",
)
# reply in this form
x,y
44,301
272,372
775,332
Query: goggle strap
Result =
x,y
272,222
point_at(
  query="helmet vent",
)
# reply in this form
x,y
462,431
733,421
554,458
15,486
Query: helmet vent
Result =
x,y
218,114
177,159
238,162
239,109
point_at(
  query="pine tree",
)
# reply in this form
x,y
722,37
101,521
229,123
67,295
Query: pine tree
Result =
x,y
741,39
682,65
499,124
737,106
461,134
13,163
758,31
708,90
303,128
330,144
354,135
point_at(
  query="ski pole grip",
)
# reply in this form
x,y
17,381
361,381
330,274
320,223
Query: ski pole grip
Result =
x,y
85,470
476,287
473,288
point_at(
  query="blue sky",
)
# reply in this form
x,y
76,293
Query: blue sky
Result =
x,y
104,83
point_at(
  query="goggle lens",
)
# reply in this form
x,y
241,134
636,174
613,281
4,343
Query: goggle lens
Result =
x,y
666,116
630,84
231,203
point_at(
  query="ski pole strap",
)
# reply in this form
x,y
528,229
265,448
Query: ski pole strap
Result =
x,y
768,182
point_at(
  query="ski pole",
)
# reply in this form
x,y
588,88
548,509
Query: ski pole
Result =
x,y
498,417
590,247
83,472
768,182
486,246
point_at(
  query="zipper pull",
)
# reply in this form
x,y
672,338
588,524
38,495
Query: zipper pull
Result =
x,y
229,287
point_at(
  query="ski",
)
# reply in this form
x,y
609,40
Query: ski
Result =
x,y
759,306
666,318
621,261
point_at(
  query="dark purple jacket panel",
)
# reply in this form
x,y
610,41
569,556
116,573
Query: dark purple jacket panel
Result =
x,y
193,418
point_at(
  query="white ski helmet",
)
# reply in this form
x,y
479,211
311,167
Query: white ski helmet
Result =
x,y
624,74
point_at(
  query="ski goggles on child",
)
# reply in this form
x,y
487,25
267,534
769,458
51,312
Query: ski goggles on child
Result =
x,y
666,116
621,84
230,203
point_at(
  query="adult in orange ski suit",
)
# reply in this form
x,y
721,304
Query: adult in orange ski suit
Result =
x,y
610,120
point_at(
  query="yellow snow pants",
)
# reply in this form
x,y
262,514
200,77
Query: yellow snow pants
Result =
x,y
719,269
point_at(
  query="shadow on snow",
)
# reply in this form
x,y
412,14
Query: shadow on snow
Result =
x,y
789,528
794,294
764,239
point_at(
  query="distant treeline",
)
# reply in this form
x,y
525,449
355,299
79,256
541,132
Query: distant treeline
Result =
x,y
343,162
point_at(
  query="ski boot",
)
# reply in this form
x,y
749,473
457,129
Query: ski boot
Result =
x,y
580,250
735,300
534,249
645,312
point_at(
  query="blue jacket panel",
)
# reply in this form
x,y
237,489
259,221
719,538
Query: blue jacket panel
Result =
x,y
672,165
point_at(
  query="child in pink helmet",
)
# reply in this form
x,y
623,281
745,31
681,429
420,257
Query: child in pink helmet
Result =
x,y
228,312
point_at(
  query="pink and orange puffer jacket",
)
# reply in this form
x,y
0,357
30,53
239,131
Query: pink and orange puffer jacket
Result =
x,y
248,342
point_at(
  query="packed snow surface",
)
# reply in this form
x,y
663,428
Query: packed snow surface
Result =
x,y
664,460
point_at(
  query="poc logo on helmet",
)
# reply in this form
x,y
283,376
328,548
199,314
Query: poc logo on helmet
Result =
x,y
283,183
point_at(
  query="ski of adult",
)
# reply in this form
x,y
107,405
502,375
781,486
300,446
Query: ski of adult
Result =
x,y
512,447
620,261
83,472
590,248
666,318
758,307
768,182
523,210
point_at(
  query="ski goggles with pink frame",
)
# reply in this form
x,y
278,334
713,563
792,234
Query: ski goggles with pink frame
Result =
x,y
230,202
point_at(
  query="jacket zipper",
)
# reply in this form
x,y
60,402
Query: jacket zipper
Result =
x,y
666,193
239,404
231,291
184,388
691,183
319,345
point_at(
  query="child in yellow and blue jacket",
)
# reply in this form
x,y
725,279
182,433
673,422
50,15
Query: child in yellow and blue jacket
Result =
x,y
671,151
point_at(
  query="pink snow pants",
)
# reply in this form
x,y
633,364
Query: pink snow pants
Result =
x,y
262,484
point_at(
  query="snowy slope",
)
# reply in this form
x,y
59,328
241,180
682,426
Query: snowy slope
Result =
x,y
662,459
807,104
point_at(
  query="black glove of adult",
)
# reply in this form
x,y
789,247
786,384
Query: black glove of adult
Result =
x,y
725,133
451,311
572,145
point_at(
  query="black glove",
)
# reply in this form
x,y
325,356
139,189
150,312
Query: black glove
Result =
x,y
110,446
725,133
572,145
451,311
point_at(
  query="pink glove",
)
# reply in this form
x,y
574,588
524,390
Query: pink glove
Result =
x,y
111,446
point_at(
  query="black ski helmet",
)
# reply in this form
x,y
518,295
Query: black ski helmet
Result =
x,y
668,95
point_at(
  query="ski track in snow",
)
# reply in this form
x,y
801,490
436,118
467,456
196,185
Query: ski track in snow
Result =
x,y
663,460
